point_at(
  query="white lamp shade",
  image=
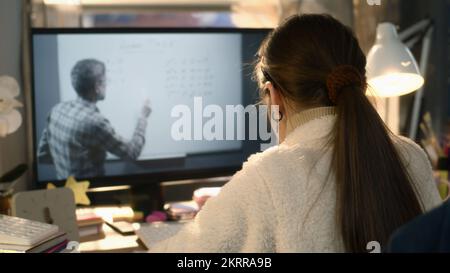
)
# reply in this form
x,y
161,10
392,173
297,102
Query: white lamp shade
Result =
x,y
391,68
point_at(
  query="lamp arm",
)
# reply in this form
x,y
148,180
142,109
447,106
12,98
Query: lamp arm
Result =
x,y
415,29
426,49
413,41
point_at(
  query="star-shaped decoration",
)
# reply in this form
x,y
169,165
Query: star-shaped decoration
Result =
x,y
79,189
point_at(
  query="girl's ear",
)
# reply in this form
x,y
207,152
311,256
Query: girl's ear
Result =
x,y
274,96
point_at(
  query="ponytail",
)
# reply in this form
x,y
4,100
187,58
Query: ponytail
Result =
x,y
375,194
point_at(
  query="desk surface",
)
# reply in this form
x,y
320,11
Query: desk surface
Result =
x,y
113,242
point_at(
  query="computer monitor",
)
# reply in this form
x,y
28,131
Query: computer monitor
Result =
x,y
90,85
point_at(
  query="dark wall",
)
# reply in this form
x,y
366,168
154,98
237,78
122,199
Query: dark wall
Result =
x,y
436,99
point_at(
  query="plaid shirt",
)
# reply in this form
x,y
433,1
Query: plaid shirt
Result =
x,y
78,137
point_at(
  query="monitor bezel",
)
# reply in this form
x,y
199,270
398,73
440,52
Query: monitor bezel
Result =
x,y
141,178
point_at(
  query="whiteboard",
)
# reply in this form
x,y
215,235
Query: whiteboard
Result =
x,y
169,69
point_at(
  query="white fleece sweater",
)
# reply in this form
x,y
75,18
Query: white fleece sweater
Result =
x,y
276,203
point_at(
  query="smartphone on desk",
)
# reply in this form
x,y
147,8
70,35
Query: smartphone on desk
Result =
x,y
122,227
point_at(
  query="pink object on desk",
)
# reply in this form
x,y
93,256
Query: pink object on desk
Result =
x,y
156,216
203,194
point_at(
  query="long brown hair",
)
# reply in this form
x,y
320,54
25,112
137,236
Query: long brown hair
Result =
x,y
314,60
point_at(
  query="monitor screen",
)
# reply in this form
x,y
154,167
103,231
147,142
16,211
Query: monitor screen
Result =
x,y
119,105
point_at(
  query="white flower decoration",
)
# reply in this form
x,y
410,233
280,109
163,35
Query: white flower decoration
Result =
x,y
10,118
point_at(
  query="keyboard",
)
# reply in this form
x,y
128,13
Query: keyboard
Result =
x,y
150,234
18,231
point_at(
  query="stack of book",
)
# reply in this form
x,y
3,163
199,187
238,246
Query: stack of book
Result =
x,y
90,226
53,244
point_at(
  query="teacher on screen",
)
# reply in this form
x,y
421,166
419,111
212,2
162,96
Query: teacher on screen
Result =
x,y
77,136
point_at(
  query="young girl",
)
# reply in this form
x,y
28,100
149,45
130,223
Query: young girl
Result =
x,y
338,180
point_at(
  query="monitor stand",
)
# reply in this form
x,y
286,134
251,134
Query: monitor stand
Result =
x,y
147,198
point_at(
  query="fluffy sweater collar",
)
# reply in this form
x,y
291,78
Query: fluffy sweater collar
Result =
x,y
310,125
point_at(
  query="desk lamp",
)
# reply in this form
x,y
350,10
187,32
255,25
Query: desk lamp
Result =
x,y
392,70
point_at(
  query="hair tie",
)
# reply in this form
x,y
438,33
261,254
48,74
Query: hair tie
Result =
x,y
343,76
